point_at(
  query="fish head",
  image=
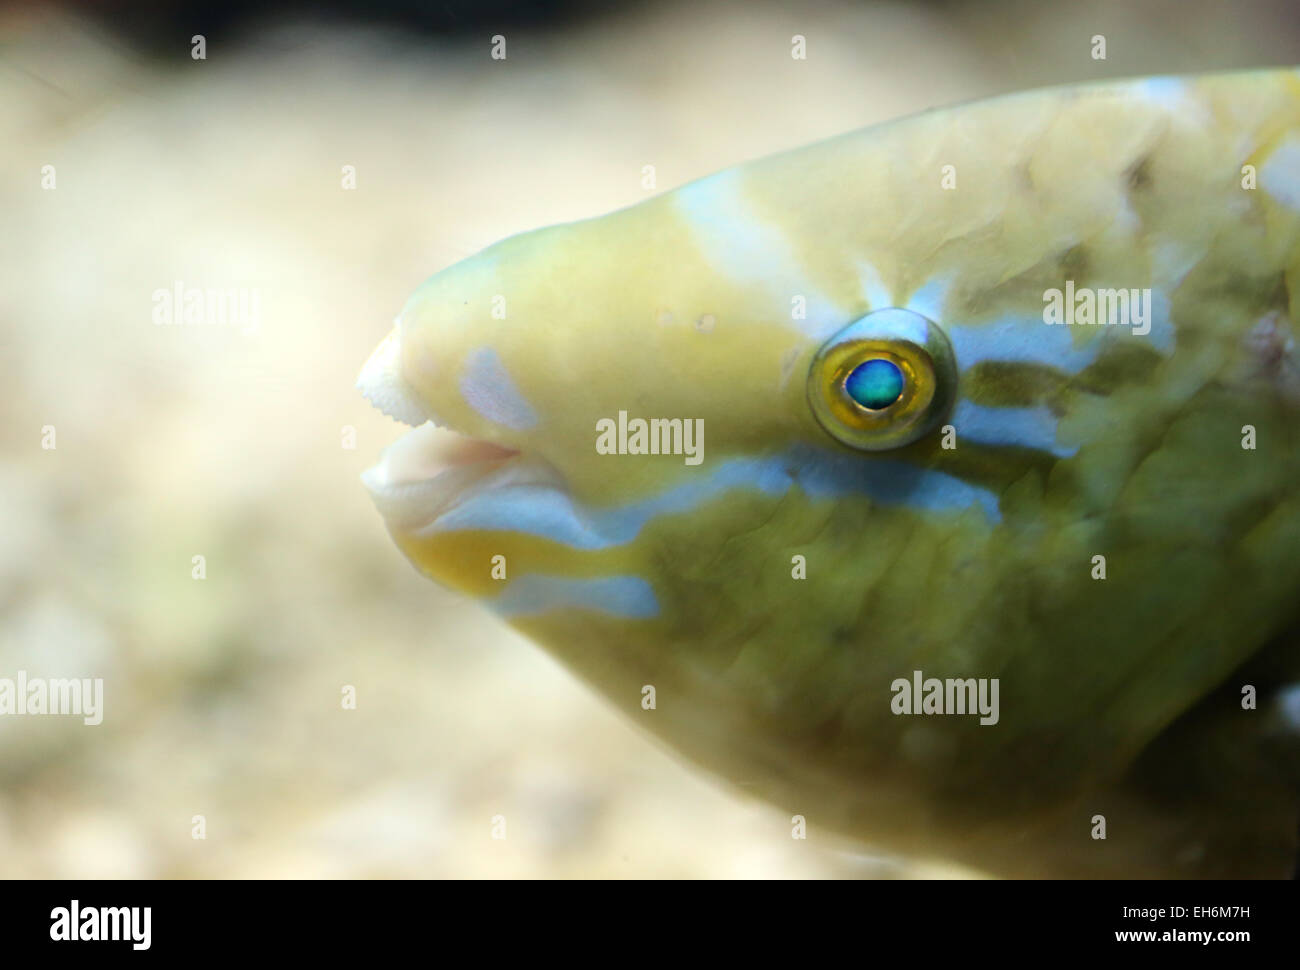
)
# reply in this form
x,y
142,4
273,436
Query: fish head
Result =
x,y
570,390
604,432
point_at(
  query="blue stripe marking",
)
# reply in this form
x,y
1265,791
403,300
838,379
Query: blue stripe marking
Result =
x,y
1027,427
1289,702
1162,324
874,290
1168,90
551,514
751,251
629,596
1023,340
892,482
487,387
1030,340
1280,174
929,299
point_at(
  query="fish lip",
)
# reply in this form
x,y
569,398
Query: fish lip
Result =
x,y
432,468
413,484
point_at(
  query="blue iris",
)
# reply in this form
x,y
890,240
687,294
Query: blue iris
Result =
x,y
875,384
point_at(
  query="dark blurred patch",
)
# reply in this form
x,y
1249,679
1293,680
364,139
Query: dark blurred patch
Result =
x,y
156,23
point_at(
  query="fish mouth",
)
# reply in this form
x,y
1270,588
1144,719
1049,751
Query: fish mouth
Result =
x,y
431,469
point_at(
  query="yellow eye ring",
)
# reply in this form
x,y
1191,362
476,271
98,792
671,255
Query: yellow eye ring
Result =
x,y
874,406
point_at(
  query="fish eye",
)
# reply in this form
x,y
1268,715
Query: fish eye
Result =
x,y
883,381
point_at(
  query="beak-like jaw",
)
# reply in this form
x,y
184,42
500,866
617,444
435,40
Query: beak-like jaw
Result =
x,y
382,384
431,469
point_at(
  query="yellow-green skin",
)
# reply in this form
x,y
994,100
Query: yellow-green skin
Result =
x,y
1119,697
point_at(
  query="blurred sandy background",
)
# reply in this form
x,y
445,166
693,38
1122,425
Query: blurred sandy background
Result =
x,y
223,695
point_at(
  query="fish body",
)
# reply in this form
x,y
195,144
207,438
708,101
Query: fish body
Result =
x,y
1091,529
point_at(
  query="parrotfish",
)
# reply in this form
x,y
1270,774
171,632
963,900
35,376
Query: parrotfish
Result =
x,y
991,552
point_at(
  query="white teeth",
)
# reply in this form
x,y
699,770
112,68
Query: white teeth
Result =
x,y
381,383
